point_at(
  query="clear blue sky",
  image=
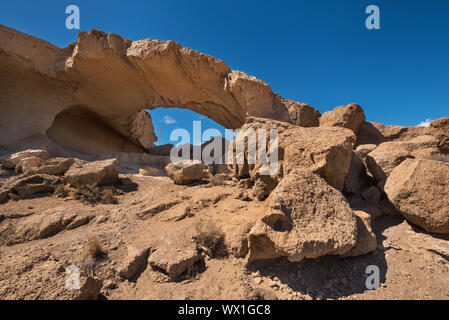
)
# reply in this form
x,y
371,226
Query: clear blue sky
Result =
x,y
318,52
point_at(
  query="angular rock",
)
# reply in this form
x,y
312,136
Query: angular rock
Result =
x,y
305,218
350,116
173,261
377,133
302,114
186,172
418,189
38,183
9,162
134,262
325,151
440,129
92,173
54,166
389,155
366,239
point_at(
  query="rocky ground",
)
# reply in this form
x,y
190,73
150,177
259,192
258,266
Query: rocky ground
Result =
x,y
413,264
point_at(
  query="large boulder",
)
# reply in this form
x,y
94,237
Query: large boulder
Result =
x,y
418,189
10,161
187,172
305,218
388,155
92,173
350,117
325,151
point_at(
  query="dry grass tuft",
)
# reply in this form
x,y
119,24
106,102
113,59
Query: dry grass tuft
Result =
x,y
94,248
211,237
108,197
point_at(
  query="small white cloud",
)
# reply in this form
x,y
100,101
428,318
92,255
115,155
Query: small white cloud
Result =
x,y
169,120
425,123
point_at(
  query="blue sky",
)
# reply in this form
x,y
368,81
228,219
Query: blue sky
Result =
x,y
318,52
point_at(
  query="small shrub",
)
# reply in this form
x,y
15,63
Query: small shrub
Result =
x,y
211,237
89,193
218,180
93,248
108,197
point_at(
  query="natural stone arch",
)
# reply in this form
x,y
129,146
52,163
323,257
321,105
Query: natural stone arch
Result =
x,y
117,78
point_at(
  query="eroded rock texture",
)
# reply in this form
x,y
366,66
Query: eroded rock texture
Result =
x,y
89,96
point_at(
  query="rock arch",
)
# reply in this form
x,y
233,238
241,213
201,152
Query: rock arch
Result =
x,y
116,78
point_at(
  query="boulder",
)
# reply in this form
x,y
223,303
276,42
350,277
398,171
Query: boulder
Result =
x,y
305,218
366,239
92,173
173,261
388,155
302,114
440,129
54,166
350,116
377,133
418,189
10,161
325,151
135,261
33,184
186,172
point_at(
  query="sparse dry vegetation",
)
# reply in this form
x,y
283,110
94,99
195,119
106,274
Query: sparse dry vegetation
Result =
x,y
88,193
94,248
209,236
218,180
108,196
62,190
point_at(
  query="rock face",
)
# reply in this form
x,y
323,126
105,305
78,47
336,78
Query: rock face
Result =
x,y
89,173
89,96
418,189
186,172
350,117
305,218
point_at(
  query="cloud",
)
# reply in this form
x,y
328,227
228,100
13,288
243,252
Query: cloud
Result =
x,y
425,123
169,120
